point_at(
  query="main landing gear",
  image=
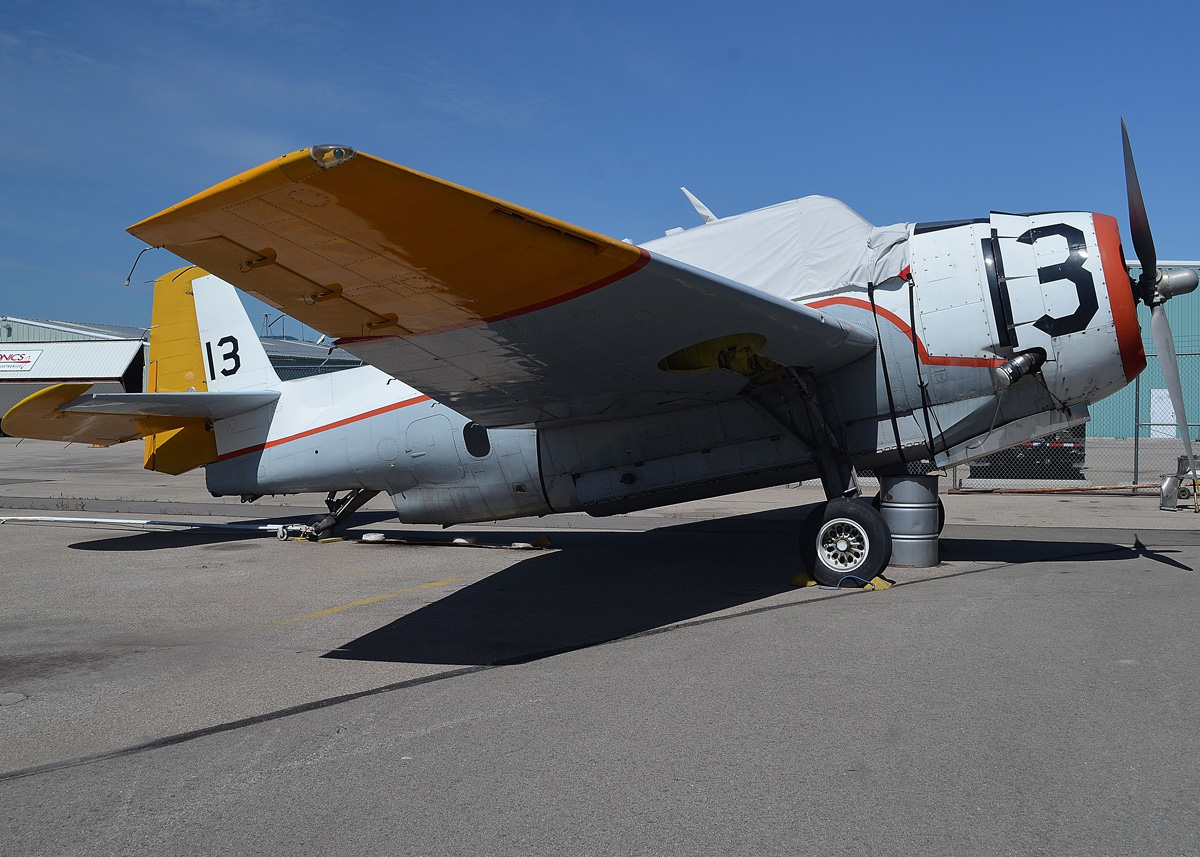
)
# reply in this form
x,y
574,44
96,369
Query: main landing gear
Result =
x,y
838,538
844,541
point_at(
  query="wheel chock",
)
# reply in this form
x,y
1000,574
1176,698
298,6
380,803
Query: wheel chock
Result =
x,y
878,582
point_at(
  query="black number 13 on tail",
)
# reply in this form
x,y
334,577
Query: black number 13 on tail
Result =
x,y
231,356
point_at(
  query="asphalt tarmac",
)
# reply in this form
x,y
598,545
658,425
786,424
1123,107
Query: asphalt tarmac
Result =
x,y
648,684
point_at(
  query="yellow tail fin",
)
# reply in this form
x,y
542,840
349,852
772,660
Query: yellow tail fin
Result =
x,y
177,365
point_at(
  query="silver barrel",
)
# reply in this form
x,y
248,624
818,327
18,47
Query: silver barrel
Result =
x,y
909,505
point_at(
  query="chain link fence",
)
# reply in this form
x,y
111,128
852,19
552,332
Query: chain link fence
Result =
x,y
1132,440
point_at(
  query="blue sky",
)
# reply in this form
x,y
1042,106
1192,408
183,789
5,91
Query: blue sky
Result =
x,y
592,113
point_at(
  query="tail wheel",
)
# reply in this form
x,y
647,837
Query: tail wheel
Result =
x,y
845,541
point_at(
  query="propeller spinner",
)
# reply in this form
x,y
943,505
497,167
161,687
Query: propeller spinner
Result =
x,y
1155,287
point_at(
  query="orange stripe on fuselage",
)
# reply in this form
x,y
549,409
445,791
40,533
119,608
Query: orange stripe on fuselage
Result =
x,y
310,432
1120,296
926,358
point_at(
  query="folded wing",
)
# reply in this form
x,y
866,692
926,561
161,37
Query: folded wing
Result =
x,y
507,315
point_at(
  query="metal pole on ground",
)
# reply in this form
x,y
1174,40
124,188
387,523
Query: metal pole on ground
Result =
x,y
1137,423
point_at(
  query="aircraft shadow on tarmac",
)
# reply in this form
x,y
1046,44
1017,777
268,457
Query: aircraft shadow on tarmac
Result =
x,y
603,586
168,539
597,587
1021,551
162,540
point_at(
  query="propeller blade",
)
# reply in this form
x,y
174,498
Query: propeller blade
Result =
x,y
1139,225
1164,344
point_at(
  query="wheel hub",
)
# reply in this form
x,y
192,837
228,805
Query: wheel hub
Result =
x,y
843,545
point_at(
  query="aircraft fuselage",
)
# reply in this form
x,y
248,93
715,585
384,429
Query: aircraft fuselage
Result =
x,y
973,295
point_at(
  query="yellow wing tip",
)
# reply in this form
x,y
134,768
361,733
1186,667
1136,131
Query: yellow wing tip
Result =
x,y
34,413
292,167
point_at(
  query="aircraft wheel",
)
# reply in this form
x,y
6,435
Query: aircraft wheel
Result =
x,y
323,527
845,542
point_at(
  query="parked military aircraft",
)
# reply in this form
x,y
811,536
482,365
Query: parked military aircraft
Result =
x,y
555,369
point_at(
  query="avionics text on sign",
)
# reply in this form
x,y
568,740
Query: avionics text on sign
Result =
x,y
18,361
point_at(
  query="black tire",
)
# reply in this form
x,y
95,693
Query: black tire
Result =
x,y
323,527
845,542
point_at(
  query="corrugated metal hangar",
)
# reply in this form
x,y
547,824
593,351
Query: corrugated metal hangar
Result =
x,y
1134,410
35,353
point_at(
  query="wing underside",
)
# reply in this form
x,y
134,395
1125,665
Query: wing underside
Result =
x,y
506,315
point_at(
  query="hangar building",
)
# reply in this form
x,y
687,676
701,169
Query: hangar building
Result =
x,y
35,353
1141,409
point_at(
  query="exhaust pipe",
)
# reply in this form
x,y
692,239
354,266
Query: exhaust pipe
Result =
x,y
1019,365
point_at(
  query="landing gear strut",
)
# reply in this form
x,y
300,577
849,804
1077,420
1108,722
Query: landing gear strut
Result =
x,y
325,527
844,541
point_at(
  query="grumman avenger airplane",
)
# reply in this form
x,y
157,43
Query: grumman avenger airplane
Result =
x,y
554,369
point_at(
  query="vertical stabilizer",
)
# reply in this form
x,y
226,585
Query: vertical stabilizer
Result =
x,y
200,339
233,354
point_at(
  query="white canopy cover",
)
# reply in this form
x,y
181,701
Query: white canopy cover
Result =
x,y
795,249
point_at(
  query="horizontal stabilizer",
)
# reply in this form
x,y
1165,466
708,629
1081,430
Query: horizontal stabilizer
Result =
x,y
67,412
209,406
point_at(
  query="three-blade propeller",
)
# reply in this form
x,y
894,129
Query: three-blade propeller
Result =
x,y
1155,287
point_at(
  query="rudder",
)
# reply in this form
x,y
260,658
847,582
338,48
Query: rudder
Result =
x,y
201,339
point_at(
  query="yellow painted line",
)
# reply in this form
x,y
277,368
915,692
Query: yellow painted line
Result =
x,y
389,574
330,610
